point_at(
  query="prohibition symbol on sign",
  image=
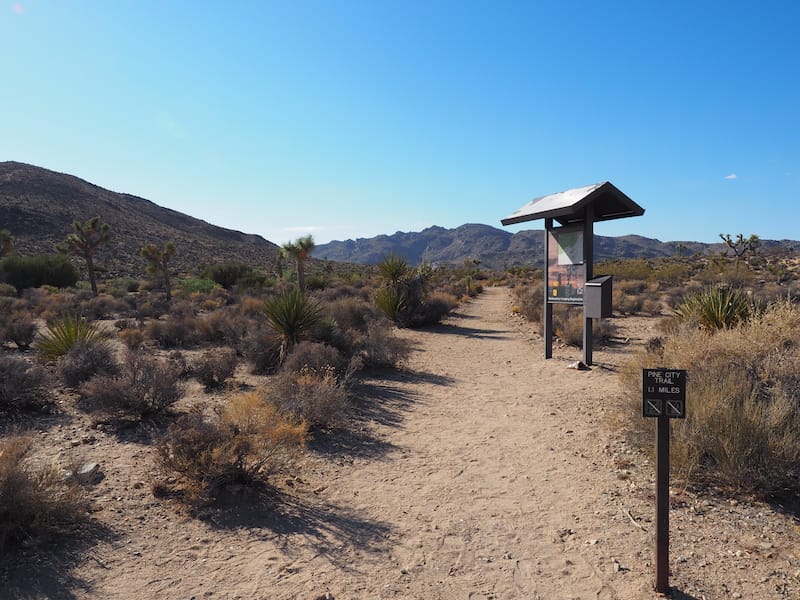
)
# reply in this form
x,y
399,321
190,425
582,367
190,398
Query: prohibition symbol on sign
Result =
x,y
664,393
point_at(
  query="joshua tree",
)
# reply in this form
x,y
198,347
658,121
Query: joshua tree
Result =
x,y
299,250
157,263
6,242
742,247
84,241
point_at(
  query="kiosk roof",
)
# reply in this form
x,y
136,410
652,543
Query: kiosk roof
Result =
x,y
566,207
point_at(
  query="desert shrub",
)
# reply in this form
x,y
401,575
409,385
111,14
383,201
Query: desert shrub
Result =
x,y
84,360
144,387
379,347
315,356
36,502
64,333
20,328
224,326
191,285
103,306
132,338
38,270
249,442
215,366
250,306
262,348
742,429
336,291
625,303
174,331
313,396
568,326
530,300
227,274
716,308
23,385
352,313
292,314
8,290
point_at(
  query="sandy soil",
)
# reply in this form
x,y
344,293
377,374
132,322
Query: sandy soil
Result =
x,y
479,471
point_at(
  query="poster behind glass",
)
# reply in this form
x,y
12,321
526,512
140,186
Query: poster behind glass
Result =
x,y
566,271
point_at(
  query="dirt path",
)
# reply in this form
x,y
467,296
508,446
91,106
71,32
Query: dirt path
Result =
x,y
481,471
497,483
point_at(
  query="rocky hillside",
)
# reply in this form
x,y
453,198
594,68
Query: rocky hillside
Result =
x,y
38,207
494,247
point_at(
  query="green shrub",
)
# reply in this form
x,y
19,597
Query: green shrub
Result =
x,y
64,333
36,502
191,285
6,289
23,385
38,270
229,274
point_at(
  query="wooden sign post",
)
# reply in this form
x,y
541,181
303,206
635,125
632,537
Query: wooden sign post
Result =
x,y
664,398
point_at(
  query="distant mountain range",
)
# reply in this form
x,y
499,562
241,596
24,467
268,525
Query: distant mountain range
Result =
x,y
38,206
496,248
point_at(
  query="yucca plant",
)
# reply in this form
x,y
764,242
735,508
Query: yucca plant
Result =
x,y
394,269
292,314
63,334
716,308
391,301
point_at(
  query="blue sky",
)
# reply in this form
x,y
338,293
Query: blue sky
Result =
x,y
352,119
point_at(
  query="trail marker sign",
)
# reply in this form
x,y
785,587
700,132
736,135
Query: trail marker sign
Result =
x,y
663,397
664,393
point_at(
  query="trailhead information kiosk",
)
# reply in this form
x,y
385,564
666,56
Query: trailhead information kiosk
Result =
x,y
569,251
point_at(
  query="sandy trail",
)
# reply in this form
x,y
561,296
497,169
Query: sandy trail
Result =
x,y
480,471
496,484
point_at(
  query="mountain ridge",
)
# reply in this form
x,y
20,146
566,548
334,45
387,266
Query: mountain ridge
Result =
x,y
38,206
497,248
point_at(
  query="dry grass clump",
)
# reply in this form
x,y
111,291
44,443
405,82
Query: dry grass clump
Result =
x,y
215,367
315,396
144,387
132,338
743,401
250,441
530,300
23,385
37,502
568,325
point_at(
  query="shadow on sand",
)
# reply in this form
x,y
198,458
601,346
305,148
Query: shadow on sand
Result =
x,y
324,527
382,396
48,572
471,332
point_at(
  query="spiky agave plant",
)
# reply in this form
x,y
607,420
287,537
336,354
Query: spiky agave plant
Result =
x,y
292,314
716,308
61,335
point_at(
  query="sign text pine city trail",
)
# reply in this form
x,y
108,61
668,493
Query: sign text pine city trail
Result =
x,y
664,393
